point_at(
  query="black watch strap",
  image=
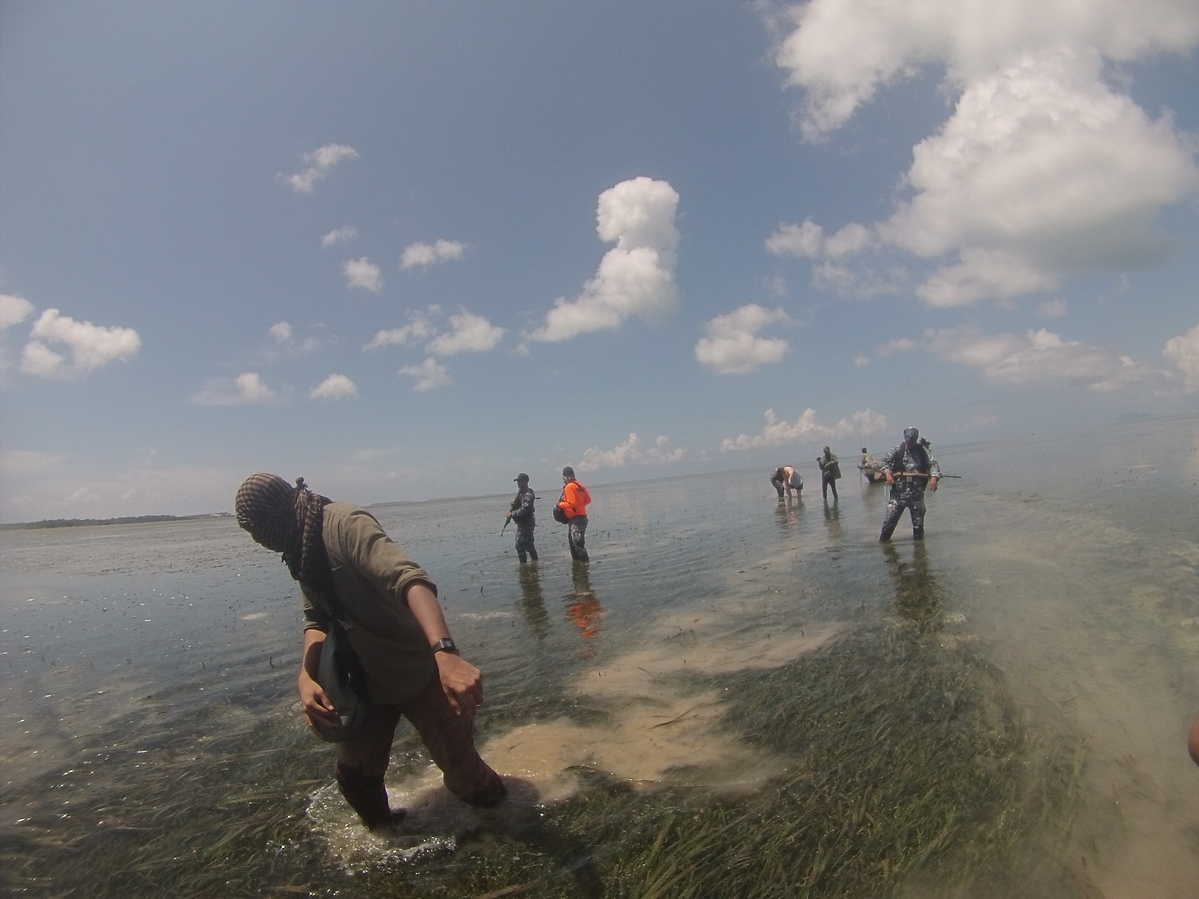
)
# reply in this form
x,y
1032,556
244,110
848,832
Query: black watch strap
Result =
x,y
446,645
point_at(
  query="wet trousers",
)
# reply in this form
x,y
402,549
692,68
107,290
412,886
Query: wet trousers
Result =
x,y
524,544
576,535
825,484
362,760
914,503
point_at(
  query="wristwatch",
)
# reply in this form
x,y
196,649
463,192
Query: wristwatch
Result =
x,y
445,645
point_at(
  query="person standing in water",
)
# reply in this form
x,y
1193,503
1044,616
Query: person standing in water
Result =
x,y
351,572
830,473
573,502
909,469
786,478
521,511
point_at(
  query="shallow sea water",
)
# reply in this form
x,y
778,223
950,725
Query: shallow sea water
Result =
x,y
151,738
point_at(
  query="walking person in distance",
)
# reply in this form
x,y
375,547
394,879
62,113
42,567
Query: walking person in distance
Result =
x,y
830,473
521,511
573,503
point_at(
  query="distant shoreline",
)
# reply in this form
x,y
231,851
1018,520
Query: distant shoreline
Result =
x,y
96,522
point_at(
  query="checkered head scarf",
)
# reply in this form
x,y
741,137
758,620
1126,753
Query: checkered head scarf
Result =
x,y
288,520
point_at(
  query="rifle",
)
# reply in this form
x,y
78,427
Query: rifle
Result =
x,y
920,474
505,527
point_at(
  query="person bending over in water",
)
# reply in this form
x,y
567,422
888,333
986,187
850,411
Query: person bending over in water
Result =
x,y
349,569
786,478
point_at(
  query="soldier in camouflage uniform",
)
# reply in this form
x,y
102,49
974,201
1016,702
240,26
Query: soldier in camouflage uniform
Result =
x,y
522,513
909,469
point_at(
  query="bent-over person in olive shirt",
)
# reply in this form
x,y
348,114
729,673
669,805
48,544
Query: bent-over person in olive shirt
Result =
x,y
388,608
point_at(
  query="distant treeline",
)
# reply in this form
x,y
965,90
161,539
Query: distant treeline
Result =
x,y
93,522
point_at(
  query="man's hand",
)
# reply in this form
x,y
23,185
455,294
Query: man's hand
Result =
x,y
932,484
461,681
318,708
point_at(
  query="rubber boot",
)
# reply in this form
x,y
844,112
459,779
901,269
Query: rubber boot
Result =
x,y
489,795
367,796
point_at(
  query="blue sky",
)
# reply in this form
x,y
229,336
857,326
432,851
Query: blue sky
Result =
x,y
408,249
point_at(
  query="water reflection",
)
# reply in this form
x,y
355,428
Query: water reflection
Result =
x,y
832,520
583,608
532,603
917,595
788,513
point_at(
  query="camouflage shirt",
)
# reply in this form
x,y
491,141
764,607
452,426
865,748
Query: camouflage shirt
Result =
x,y
910,460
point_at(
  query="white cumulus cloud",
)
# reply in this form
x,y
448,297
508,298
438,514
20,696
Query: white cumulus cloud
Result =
x,y
733,346
334,387
283,336
806,429
87,347
469,333
318,164
429,375
1042,171
426,254
1036,356
364,274
797,240
636,277
1183,351
13,310
631,452
420,327
248,388
840,52
344,234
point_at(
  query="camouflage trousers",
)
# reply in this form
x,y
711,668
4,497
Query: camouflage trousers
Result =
x,y
914,503
524,544
576,535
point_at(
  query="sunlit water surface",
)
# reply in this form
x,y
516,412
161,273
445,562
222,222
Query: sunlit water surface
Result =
x,y
147,671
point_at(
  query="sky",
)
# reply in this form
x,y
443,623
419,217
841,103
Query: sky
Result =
x,y
407,250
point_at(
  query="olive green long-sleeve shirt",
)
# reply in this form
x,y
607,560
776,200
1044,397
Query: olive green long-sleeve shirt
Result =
x,y
372,576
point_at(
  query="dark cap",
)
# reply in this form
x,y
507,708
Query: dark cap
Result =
x,y
910,433
568,472
521,477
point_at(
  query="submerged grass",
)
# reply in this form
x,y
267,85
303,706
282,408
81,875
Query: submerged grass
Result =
x,y
910,773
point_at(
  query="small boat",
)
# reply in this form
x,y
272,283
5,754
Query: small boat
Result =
x,y
874,473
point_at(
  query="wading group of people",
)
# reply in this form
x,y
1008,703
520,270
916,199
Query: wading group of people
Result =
x,y
909,469
377,647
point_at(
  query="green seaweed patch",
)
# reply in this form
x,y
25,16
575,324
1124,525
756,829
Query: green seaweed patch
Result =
x,y
910,773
